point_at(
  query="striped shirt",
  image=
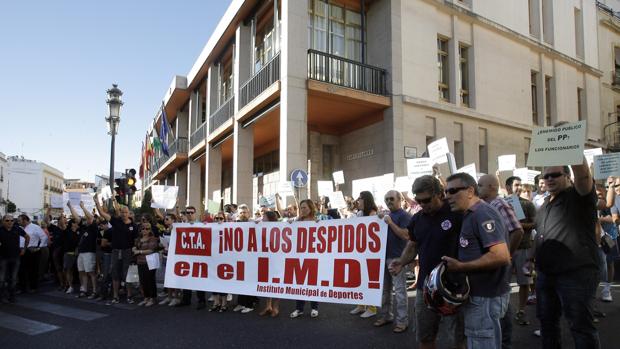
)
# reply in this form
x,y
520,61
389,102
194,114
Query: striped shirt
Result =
x,y
508,214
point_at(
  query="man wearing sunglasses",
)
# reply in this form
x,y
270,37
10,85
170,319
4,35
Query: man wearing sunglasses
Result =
x,y
482,254
9,256
567,256
433,232
397,237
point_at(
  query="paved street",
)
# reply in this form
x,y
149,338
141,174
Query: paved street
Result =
x,y
52,319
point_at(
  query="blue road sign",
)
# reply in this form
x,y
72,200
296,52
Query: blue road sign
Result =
x,y
299,178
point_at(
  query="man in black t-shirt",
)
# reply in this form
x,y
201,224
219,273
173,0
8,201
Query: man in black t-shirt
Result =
x,y
87,247
9,256
567,256
433,233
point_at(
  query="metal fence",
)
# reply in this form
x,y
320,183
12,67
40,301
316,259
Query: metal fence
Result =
x,y
222,114
199,135
344,72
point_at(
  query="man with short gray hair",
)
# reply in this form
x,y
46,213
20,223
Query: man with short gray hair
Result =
x,y
9,256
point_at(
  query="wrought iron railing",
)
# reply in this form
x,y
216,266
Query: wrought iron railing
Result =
x,y
179,146
345,72
264,78
199,135
222,114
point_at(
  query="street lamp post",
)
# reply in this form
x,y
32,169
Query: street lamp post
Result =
x,y
114,103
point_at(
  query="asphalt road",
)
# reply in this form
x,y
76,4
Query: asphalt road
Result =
x,y
51,319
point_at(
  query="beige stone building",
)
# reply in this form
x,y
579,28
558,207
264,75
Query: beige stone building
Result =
x,y
353,85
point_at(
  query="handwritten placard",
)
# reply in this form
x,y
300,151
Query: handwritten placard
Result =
x,y
557,146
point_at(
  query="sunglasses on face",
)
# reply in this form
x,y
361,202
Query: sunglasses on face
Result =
x,y
8,220
453,191
390,199
219,218
190,212
423,201
553,175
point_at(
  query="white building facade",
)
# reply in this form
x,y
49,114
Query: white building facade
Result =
x,y
352,85
31,185
4,180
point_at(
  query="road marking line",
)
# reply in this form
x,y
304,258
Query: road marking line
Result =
x,y
23,325
57,309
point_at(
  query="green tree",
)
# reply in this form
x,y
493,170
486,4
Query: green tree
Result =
x,y
145,207
10,207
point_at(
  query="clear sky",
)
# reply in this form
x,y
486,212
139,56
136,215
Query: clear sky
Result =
x,y
58,58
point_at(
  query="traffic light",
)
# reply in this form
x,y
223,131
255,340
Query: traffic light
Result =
x,y
119,190
131,181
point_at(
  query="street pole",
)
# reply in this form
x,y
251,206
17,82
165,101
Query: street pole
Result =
x,y
111,180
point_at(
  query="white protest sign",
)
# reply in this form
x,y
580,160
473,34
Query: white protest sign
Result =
x,y
325,187
513,201
403,184
419,167
336,199
506,162
527,176
152,260
106,193
378,186
557,146
285,189
338,177
452,163
56,201
437,151
470,170
164,196
210,257
213,207
75,198
590,153
606,165
217,195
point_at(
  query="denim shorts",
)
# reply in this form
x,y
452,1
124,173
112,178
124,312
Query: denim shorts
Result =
x,y
482,321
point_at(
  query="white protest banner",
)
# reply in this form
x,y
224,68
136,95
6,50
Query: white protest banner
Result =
x,y
336,199
557,146
606,165
470,170
513,201
419,167
106,193
56,201
285,189
217,195
164,196
527,176
403,184
325,187
506,162
437,151
335,261
452,163
338,177
75,198
590,153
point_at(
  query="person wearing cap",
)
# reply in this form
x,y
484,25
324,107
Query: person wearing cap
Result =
x,y
484,256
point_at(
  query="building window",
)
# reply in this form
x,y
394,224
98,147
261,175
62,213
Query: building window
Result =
x,y
226,82
534,17
578,33
464,65
267,163
547,101
547,17
335,29
483,151
265,45
459,152
580,104
431,128
443,68
616,78
534,90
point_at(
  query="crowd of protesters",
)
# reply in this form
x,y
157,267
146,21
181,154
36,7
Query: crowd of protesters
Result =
x,y
559,250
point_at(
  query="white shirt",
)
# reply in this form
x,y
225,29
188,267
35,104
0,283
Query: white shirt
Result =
x,y
539,199
38,238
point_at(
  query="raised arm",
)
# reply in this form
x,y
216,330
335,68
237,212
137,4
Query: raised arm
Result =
x,y
88,215
279,205
583,178
73,212
102,213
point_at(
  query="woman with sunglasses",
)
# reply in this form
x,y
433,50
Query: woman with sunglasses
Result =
x,y
145,245
366,206
307,212
219,299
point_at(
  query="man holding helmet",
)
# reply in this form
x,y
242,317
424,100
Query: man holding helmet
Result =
x,y
483,255
433,233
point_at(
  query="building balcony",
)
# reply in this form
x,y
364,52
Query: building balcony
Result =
x,y
199,135
265,77
178,154
224,113
332,69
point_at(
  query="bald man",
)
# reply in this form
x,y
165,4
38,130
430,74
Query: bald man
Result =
x,y
488,186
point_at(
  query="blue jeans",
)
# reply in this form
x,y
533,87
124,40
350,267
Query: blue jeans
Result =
x,y
482,321
106,282
9,268
571,294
